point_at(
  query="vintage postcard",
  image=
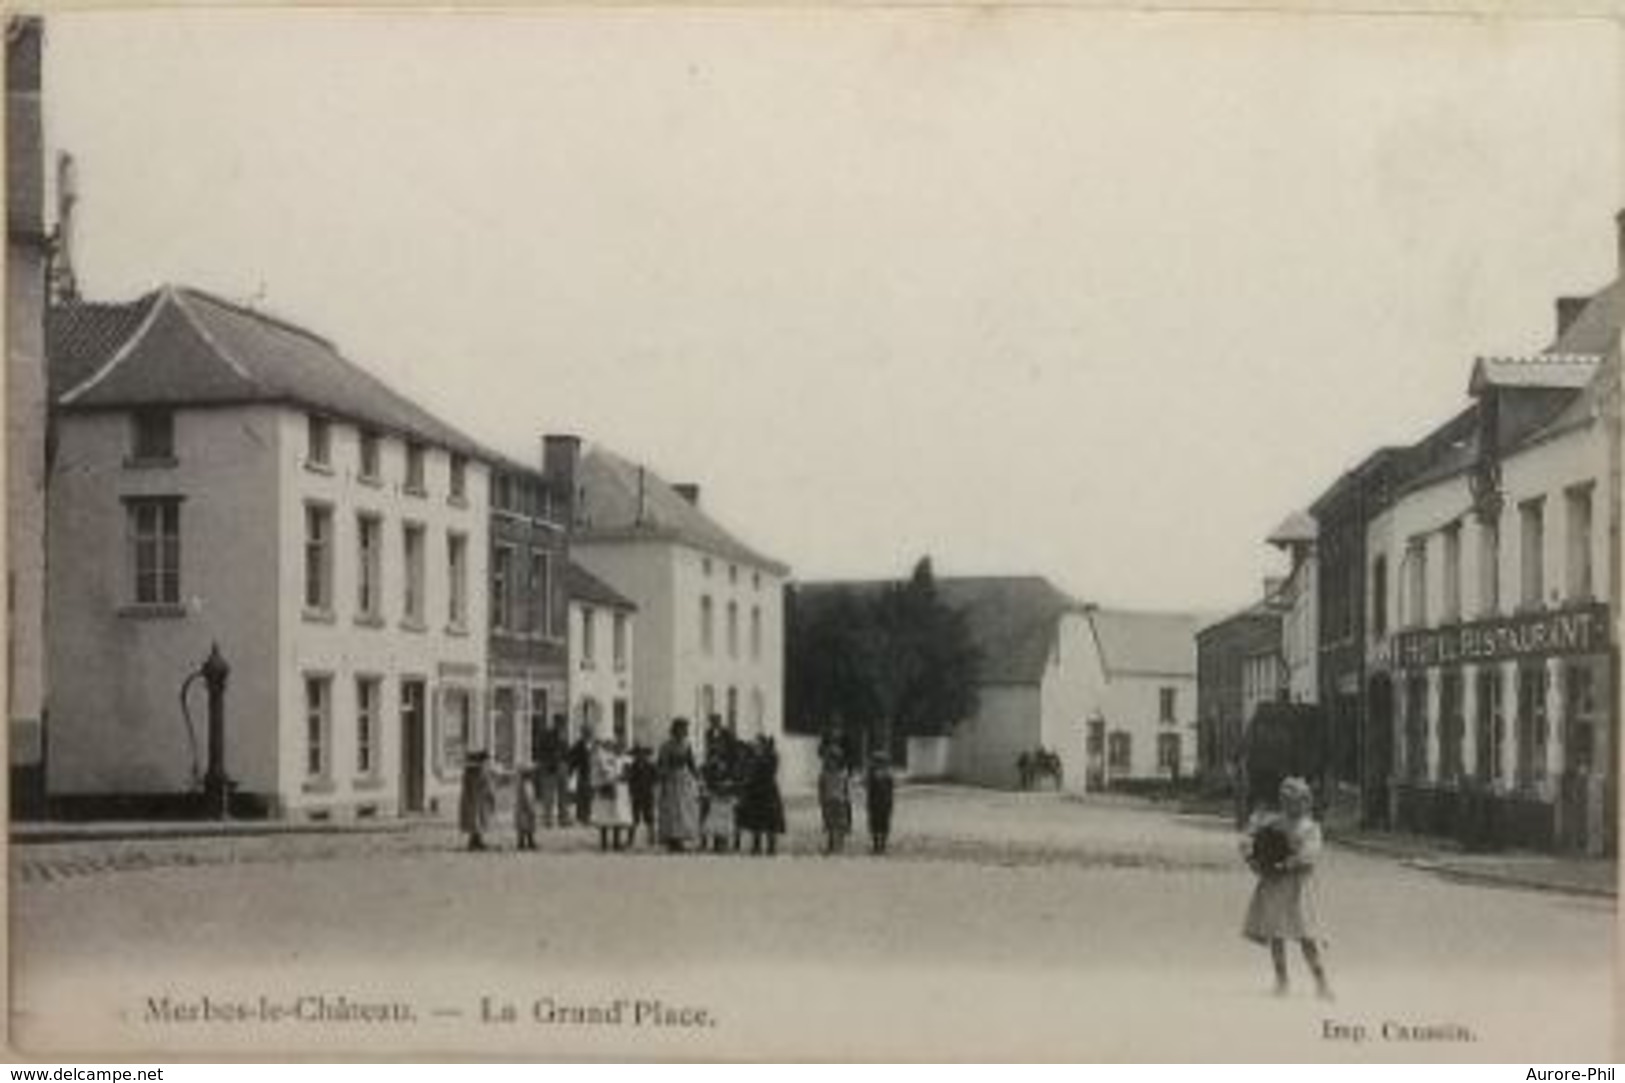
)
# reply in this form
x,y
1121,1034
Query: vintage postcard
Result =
x,y
736,532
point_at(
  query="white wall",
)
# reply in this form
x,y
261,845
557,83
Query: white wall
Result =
x,y
1133,704
116,725
929,757
447,658
1006,724
600,679
1068,697
695,666
642,571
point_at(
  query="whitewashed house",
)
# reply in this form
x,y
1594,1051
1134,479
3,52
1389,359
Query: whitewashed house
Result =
x,y
601,657
221,476
710,609
1142,691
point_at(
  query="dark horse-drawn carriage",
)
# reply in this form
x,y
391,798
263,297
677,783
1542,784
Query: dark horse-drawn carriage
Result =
x,y
1038,764
1282,740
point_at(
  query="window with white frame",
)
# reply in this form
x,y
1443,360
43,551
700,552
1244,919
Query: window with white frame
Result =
x,y
1489,568
415,458
733,629
369,534
368,456
319,558
589,630
706,622
1416,583
501,587
1167,705
318,725
154,525
541,593
413,541
457,580
459,477
1450,611
366,726
1532,551
620,642
318,441
756,632
1578,563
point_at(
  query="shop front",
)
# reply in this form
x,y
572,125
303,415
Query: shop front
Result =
x,y
1504,731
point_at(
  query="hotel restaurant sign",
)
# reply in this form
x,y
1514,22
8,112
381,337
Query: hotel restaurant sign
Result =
x,y
1575,630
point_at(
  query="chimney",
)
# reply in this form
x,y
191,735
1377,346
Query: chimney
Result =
x,y
689,491
1272,587
1568,310
64,284
561,454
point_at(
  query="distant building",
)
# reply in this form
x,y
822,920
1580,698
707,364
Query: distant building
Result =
x,y
710,608
527,600
1037,667
1142,722
601,659
27,256
1238,666
223,477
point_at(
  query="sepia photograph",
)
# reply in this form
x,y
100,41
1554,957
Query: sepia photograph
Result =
x,y
817,532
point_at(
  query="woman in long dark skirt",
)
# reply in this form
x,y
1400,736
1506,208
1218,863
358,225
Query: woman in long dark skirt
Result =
x,y
679,797
761,809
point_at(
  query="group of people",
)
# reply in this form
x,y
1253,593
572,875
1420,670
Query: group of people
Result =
x,y
835,795
676,799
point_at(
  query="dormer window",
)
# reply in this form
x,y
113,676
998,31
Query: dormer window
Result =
x,y
318,441
152,437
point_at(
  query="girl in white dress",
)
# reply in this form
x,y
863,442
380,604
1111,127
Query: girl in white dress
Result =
x,y
1282,849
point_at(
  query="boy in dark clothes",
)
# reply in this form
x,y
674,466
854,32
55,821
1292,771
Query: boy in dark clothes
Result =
x,y
879,787
641,777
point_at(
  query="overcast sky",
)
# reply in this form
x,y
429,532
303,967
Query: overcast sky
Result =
x,y
1092,295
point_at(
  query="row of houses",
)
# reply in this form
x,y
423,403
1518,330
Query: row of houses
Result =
x,y
1450,610
1110,691
389,593
191,477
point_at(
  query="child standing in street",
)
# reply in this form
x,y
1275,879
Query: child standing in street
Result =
x,y
879,790
524,806
834,797
1282,849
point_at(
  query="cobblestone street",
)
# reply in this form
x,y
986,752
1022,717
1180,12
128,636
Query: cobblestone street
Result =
x,y
1013,923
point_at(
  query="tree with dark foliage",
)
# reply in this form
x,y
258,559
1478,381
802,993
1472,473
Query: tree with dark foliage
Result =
x,y
880,666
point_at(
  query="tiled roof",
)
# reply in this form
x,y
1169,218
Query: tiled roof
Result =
x,y
1012,619
620,498
183,347
583,586
1135,642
